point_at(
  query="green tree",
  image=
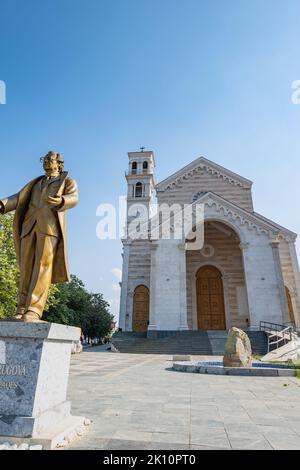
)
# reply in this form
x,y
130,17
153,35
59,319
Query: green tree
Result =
x,y
97,322
9,270
73,305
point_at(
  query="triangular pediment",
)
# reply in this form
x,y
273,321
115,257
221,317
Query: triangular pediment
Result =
x,y
199,165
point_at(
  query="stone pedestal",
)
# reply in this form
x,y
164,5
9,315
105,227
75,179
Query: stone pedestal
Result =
x,y
34,371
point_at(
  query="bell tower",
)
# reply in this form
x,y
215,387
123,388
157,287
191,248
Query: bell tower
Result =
x,y
140,183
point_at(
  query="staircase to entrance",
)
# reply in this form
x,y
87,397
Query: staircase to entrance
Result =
x,y
208,343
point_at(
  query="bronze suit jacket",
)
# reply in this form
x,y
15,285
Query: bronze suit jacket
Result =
x,y
39,212
20,202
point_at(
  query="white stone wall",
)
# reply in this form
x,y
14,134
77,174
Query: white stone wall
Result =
x,y
265,294
168,288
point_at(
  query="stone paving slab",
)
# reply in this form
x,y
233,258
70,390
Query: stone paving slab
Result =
x,y
137,402
249,442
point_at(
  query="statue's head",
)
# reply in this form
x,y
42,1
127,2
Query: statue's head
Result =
x,y
53,162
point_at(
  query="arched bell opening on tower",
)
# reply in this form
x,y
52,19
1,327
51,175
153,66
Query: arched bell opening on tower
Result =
x,y
134,168
138,190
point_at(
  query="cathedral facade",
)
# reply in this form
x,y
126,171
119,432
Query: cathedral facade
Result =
x,y
245,272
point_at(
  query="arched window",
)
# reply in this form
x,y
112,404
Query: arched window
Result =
x,y
134,168
145,167
138,190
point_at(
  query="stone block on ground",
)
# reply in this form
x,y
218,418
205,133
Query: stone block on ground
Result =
x,y
182,357
238,351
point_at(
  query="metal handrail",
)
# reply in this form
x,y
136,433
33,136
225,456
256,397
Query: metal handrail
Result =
x,y
275,330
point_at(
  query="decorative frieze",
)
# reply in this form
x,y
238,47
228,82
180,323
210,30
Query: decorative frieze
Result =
x,y
239,216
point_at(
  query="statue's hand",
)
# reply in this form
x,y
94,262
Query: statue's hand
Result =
x,y
55,201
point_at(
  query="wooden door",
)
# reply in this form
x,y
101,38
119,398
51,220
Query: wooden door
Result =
x,y
210,299
290,305
140,309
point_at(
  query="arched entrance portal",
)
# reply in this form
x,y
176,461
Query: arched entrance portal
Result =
x,y
210,299
140,318
290,305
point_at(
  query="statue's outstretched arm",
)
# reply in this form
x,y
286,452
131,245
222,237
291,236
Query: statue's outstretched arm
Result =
x,y
70,195
8,204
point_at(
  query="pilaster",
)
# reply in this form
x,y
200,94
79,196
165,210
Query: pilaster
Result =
x,y
183,302
281,288
152,314
124,285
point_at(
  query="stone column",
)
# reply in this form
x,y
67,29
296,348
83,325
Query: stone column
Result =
x,y
281,288
124,285
129,311
183,303
225,279
167,301
253,322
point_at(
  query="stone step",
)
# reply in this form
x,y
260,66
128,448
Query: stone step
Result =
x,y
184,342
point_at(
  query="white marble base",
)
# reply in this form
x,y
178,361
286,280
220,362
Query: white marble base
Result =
x,y
34,371
60,436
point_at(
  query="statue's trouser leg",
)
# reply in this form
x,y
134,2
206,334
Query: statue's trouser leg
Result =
x,y
27,255
41,278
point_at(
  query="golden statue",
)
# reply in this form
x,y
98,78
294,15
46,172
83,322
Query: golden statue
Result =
x,y
40,234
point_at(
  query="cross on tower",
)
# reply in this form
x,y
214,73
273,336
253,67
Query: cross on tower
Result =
x,y
142,149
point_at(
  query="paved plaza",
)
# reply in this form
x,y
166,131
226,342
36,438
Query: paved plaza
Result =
x,y
139,402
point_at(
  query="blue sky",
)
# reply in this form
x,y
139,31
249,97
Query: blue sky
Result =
x,y
95,79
